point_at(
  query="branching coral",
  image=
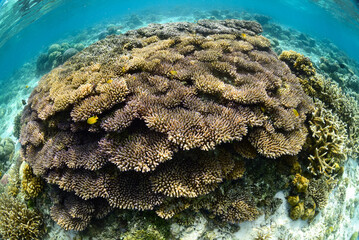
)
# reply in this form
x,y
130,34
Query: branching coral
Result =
x,y
149,233
165,102
73,212
333,135
329,143
341,104
17,221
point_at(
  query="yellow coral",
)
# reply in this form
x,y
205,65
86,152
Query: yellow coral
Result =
x,y
300,183
31,185
298,62
297,211
293,200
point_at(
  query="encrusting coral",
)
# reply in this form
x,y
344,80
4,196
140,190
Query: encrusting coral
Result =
x,y
17,221
164,100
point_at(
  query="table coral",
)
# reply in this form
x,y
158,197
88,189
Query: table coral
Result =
x,y
165,98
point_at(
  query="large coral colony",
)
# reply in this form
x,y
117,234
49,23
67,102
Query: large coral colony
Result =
x,y
159,117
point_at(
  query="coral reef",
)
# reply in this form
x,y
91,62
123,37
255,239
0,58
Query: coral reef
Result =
x,y
31,185
17,126
344,106
150,233
17,221
333,98
298,63
56,55
231,206
306,203
169,100
7,149
332,137
329,141
72,212
341,72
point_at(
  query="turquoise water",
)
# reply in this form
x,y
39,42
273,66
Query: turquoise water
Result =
x,y
325,31
24,34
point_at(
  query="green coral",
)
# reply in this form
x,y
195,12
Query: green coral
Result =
x,y
17,221
300,183
354,236
7,149
148,233
17,125
298,63
297,211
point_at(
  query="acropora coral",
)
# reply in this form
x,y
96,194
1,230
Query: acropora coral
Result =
x,y
329,146
17,221
177,101
341,104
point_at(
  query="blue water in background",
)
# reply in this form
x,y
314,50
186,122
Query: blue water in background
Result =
x,y
27,32
56,19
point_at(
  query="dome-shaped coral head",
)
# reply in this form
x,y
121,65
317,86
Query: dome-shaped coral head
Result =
x,y
173,98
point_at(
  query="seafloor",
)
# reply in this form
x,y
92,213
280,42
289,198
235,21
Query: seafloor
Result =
x,y
337,219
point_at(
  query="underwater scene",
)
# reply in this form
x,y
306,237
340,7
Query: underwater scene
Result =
x,y
156,120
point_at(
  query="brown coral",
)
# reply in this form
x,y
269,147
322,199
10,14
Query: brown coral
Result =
x,y
165,107
17,221
75,213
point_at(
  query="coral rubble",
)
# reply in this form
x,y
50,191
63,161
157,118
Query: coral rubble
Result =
x,y
170,101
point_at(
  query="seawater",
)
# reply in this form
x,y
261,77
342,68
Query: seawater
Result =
x,y
29,27
26,29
